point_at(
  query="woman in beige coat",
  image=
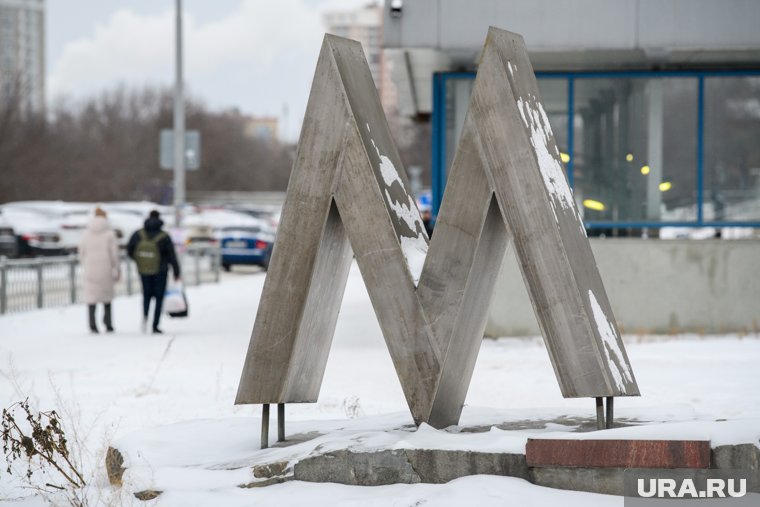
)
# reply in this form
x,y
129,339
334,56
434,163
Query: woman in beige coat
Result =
x,y
99,256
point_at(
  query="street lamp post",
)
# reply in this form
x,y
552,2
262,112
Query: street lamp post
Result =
x,y
179,123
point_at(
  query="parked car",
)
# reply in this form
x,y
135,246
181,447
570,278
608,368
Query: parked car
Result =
x,y
249,245
73,225
203,227
128,217
35,233
71,219
200,235
8,241
268,214
67,218
124,223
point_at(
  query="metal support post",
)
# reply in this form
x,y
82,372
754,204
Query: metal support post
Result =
x,y
216,261
610,411
40,299
129,277
3,286
599,413
197,265
280,422
265,425
73,280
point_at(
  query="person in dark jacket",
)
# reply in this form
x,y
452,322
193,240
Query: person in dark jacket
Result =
x,y
153,251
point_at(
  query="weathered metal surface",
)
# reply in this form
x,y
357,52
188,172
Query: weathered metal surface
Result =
x,y
299,303
348,184
553,252
618,453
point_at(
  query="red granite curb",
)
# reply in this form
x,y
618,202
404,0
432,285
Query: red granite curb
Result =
x,y
618,453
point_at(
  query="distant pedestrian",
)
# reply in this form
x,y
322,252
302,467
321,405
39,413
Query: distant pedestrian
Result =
x,y
427,221
99,256
153,251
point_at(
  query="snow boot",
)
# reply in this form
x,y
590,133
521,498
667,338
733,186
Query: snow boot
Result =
x,y
107,318
91,314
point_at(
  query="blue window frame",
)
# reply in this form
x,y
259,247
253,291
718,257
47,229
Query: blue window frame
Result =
x,y
701,213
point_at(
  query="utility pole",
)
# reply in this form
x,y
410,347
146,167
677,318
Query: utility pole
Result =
x,y
179,124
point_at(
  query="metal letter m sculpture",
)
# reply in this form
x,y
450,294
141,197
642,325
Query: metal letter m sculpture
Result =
x,y
349,193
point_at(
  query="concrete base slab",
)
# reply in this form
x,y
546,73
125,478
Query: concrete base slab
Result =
x,y
384,451
738,457
607,481
407,466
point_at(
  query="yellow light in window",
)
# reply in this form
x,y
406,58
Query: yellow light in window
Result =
x,y
629,157
565,157
645,170
665,186
595,205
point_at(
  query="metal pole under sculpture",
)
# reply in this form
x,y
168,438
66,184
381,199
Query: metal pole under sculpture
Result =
x,y
349,193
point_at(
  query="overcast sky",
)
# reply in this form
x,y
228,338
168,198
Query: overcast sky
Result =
x,y
256,55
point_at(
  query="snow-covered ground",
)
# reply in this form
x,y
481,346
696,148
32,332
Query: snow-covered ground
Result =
x,y
127,386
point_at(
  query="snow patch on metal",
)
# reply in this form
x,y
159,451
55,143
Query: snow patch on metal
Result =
x,y
535,119
415,248
618,367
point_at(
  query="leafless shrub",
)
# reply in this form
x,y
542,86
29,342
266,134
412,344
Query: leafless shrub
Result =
x,y
38,439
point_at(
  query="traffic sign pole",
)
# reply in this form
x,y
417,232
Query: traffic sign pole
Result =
x,y
179,125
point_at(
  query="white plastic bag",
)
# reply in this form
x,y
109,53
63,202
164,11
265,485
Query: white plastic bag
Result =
x,y
175,302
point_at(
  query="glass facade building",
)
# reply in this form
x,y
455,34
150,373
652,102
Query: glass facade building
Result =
x,y
641,149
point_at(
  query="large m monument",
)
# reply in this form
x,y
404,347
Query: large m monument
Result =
x,y
349,195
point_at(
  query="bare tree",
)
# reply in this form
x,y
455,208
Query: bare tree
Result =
x,y
106,148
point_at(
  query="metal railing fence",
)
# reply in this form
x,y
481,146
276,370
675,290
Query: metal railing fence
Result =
x,y
41,282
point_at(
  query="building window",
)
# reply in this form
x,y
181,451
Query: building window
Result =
x,y
645,149
635,148
458,91
732,149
